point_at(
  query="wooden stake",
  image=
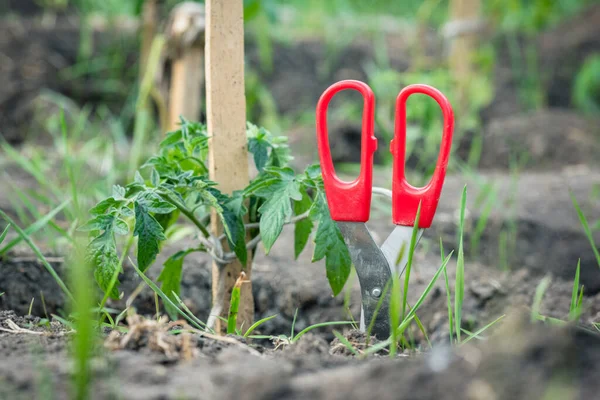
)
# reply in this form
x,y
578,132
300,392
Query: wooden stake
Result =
x,y
147,34
185,34
226,122
464,14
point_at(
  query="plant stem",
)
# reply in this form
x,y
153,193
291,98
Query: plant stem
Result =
x,y
185,211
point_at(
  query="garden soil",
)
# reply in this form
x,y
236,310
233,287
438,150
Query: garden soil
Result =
x,y
532,216
517,360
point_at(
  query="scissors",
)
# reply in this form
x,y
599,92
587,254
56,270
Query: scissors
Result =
x,y
350,202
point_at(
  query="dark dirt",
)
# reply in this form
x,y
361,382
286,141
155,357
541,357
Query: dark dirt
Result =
x,y
541,140
548,237
532,214
520,360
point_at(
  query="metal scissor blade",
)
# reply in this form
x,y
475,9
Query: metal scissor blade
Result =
x,y
373,275
391,248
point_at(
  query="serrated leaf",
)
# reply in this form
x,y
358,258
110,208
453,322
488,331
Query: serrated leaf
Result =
x,y
149,233
170,277
121,227
105,205
236,235
134,188
102,254
171,139
138,178
260,150
98,223
118,192
154,177
329,243
126,211
167,220
303,228
154,203
231,211
277,210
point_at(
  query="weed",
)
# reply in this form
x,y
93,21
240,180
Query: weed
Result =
x,y
459,285
586,227
575,307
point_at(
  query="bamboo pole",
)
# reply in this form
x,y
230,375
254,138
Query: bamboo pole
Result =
x,y
226,123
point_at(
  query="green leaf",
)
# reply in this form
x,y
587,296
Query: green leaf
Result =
x,y
121,227
155,204
260,149
167,220
99,223
118,192
106,205
277,209
237,233
329,243
303,227
138,178
338,265
171,139
149,233
170,277
154,177
102,254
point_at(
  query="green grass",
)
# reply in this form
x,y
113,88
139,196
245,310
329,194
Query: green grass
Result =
x,y
586,228
459,284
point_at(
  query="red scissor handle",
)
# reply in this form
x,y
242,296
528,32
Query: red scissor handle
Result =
x,y
348,201
406,198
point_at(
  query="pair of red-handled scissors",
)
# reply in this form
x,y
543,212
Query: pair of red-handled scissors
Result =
x,y
350,202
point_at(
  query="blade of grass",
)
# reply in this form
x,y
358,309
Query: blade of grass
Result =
x,y
4,233
480,331
69,163
257,324
411,251
294,323
586,227
345,342
38,253
189,312
319,325
30,168
162,295
63,321
459,283
36,226
421,328
395,311
31,306
432,282
448,296
36,214
574,293
382,345
540,290
85,336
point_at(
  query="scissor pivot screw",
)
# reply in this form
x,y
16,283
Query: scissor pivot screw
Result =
x,y
376,292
